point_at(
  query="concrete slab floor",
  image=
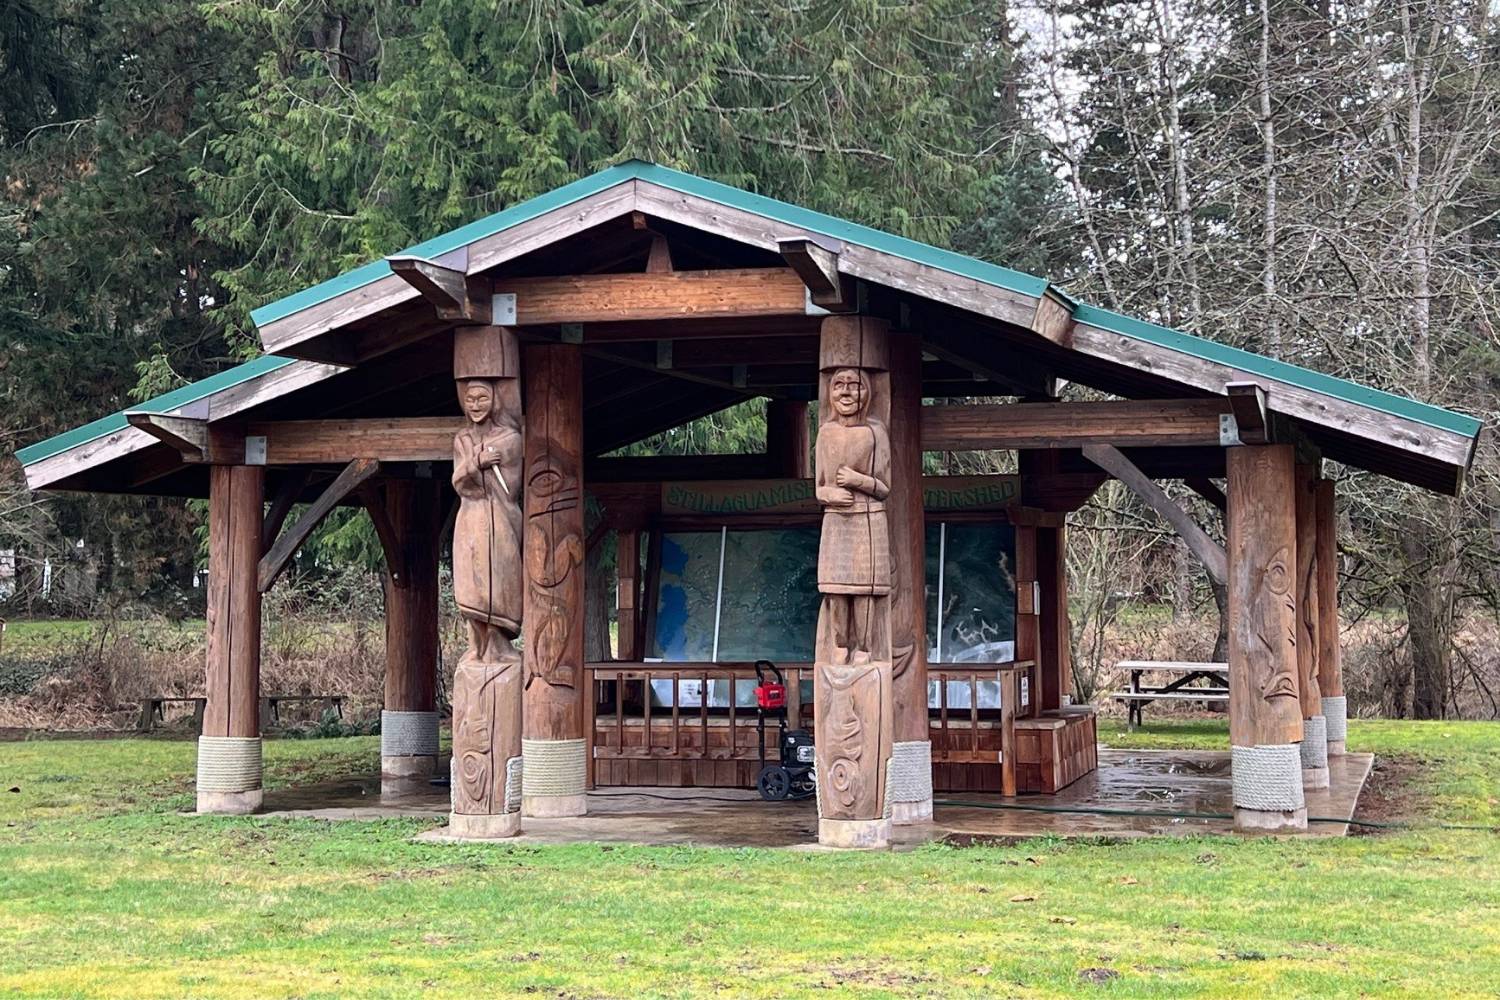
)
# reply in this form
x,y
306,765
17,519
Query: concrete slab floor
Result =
x,y
1133,789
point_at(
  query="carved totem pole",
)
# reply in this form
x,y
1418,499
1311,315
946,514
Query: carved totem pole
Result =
x,y
487,586
554,743
852,669
1265,713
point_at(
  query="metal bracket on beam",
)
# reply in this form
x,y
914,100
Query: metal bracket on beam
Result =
x,y
664,355
571,333
1229,431
255,449
503,309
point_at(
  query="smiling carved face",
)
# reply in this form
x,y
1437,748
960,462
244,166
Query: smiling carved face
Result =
x,y
848,392
477,399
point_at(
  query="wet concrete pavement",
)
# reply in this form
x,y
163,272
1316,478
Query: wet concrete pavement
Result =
x,y
1134,790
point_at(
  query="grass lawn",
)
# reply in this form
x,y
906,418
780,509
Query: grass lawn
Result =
x,y
106,892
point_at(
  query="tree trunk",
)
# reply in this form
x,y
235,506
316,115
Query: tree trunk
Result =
x,y
1428,597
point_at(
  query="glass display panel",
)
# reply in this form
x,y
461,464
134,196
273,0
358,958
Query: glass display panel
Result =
x,y
770,602
976,622
686,596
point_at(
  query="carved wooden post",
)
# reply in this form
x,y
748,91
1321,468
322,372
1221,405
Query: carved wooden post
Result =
x,y
911,751
852,653
409,720
1330,665
487,473
1265,716
1314,745
554,746
787,451
229,751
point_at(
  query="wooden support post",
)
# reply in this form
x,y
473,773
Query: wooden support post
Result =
x,y
628,594
1265,716
788,455
1054,653
1027,640
554,744
1314,746
852,651
229,751
911,751
409,720
1330,665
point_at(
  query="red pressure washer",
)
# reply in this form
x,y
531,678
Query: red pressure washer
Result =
x,y
792,778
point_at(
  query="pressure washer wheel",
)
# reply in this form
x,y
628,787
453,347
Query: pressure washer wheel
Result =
x,y
774,783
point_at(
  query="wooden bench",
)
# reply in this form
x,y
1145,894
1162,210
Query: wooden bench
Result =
x,y
270,705
153,711
1180,688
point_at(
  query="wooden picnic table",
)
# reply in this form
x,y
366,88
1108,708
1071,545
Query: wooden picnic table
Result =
x,y
1180,688
153,710
270,705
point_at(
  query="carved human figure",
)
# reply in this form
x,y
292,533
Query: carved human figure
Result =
x,y
487,586
853,472
853,651
487,457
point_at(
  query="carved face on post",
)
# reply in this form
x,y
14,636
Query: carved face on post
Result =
x,y
477,397
849,392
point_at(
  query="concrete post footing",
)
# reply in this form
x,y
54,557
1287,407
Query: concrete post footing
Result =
x,y
911,813
494,826
230,803
1270,821
855,834
554,806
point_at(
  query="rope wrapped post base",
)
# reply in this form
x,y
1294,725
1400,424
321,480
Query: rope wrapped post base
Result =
x,y
910,787
1268,788
1336,711
408,751
229,775
855,834
1314,752
554,777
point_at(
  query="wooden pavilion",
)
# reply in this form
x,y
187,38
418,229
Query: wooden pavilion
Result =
x,y
640,298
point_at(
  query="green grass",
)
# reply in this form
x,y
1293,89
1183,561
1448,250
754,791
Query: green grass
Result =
x,y
105,891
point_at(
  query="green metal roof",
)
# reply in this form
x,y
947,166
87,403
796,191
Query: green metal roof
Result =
x,y
676,180
1258,364
792,215
161,404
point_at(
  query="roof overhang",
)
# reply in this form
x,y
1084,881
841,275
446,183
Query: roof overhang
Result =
x,y
342,322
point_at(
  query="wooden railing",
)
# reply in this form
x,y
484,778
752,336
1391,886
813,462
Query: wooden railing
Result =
x,y
705,712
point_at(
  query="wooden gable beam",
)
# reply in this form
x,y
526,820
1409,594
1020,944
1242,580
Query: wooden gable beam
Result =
x,y
1208,551
279,556
189,435
457,297
818,267
613,298
1129,423
1247,404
